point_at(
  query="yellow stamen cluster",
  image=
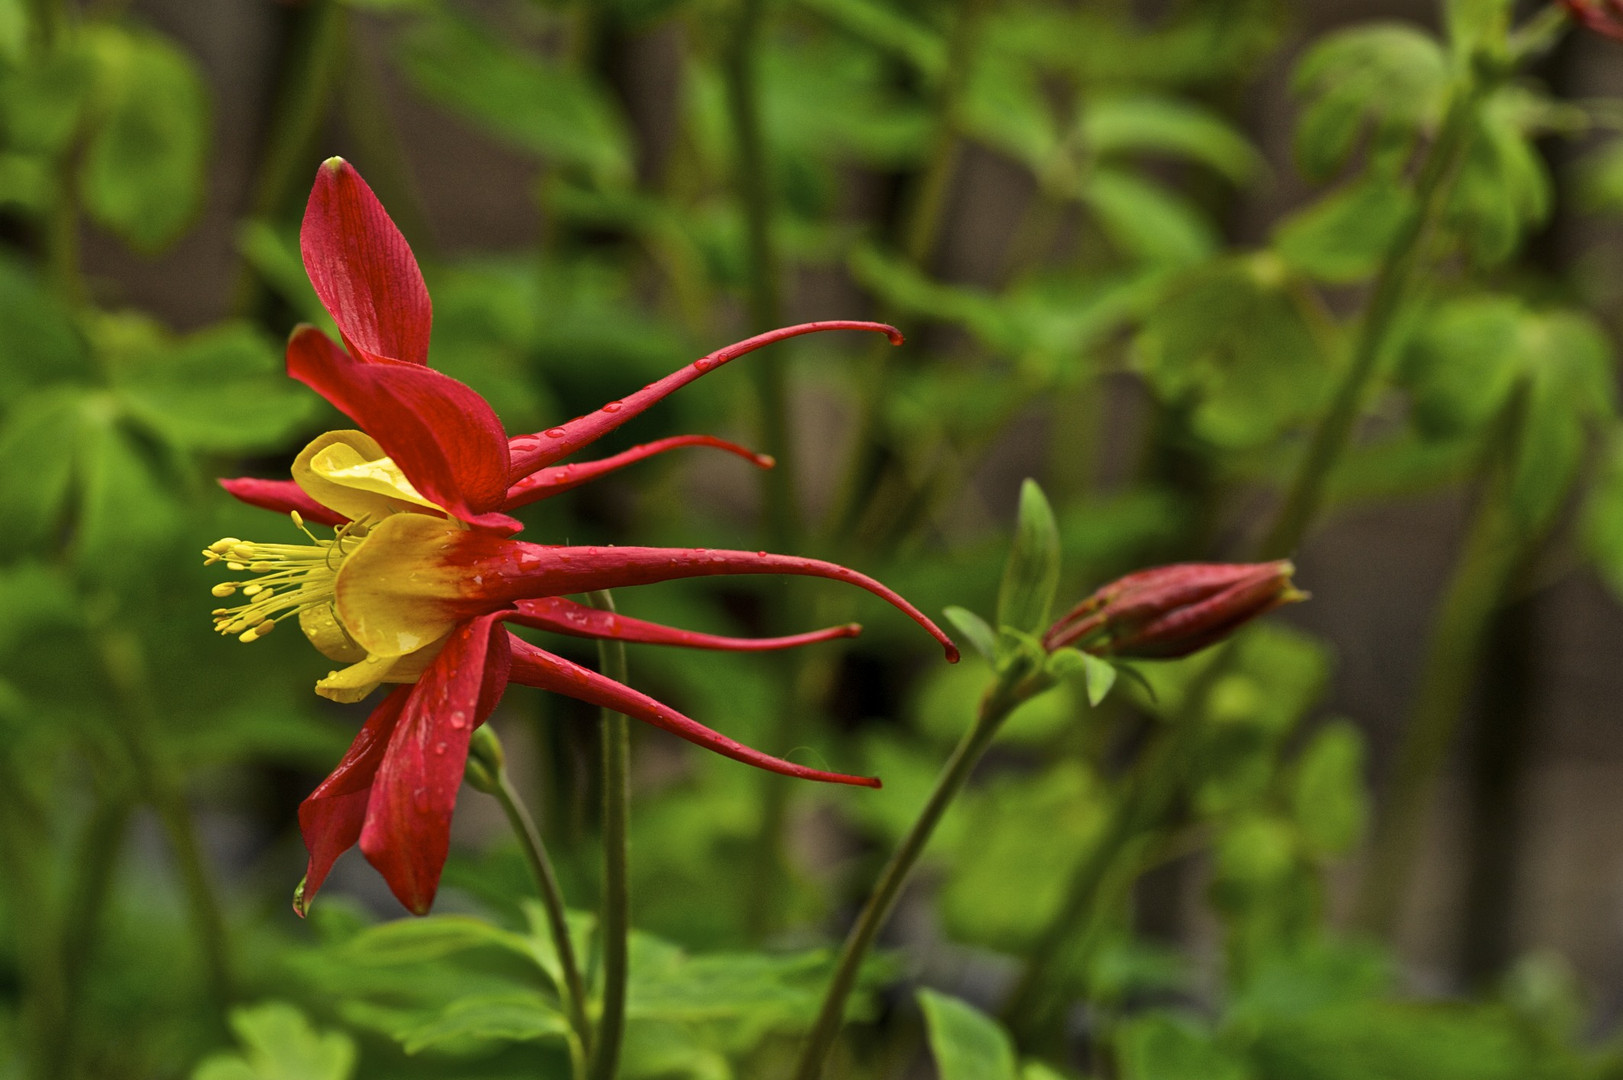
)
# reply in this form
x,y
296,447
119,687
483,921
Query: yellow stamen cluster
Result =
x,y
290,578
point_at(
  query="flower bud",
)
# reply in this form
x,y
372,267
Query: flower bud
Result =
x,y
485,761
1171,611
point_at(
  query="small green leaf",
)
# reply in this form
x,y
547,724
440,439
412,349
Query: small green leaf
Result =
x,y
279,1044
507,1017
1101,676
976,630
967,1044
144,167
36,467
1162,1046
1032,572
405,942
1146,221
1164,125
1344,237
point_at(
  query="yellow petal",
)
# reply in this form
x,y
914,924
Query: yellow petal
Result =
x,y
353,683
396,593
320,624
348,471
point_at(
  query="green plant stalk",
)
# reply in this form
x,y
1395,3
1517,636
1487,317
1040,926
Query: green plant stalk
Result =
x,y
1393,284
45,989
616,928
1496,545
1143,802
552,899
1013,687
125,664
921,228
96,859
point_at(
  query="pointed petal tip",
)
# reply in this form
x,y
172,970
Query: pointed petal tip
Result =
x,y
334,163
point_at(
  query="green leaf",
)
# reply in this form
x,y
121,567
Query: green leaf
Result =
x,y
531,102
279,1044
1503,188
42,344
405,942
879,25
967,1044
126,514
510,1017
36,468
1390,75
1163,1046
980,635
1399,1041
144,166
1032,572
1145,220
1328,792
1164,125
1461,362
1344,237
1603,514
1101,676
220,389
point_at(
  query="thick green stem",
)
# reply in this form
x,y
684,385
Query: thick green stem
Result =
x,y
1393,287
46,992
616,928
1496,545
123,660
95,859
1010,690
552,899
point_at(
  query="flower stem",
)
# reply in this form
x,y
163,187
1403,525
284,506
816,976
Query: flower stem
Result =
x,y
616,927
1393,287
1498,542
1012,688
125,664
552,898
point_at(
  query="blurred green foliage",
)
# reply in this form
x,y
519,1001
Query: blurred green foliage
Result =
x,y
148,771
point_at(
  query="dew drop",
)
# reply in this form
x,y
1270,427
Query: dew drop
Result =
x,y
439,748
614,406
459,720
704,363
555,433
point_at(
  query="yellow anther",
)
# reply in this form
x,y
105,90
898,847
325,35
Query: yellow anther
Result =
x,y
248,637
223,589
252,590
298,519
242,552
261,567
222,546
236,566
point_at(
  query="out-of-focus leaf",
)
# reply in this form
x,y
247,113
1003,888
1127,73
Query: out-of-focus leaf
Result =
x,y
1603,514
417,941
522,97
41,343
41,100
1331,804
1164,1046
1397,1041
878,24
219,389
1461,362
274,255
13,30
975,630
280,1044
947,701
1601,179
144,165
125,513
1101,676
967,1044
1145,220
514,1017
1570,391
36,466
728,986
1167,126
1502,188
1344,236
1032,573
826,101
26,182
1390,75
1003,106
1229,342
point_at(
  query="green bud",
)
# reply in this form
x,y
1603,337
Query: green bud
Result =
x,y
486,761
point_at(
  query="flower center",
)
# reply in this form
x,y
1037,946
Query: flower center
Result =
x,y
288,578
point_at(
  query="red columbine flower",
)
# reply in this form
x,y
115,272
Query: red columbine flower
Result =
x,y
1172,611
1602,16
422,568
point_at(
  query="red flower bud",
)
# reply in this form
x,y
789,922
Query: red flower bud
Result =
x,y
1602,16
1171,611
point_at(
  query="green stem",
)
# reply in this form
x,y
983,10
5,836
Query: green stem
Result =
x,y
46,993
96,859
552,899
1496,545
616,885
1012,688
1393,286
125,664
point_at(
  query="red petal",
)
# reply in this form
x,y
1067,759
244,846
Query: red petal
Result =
x,y
567,617
363,269
282,496
511,570
548,482
408,818
442,434
537,667
330,818
531,452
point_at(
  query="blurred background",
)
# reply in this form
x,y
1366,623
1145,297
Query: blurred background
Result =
x,y
1131,245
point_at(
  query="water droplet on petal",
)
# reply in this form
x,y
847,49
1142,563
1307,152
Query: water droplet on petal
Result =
x,y
614,406
555,433
459,720
704,363
439,748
